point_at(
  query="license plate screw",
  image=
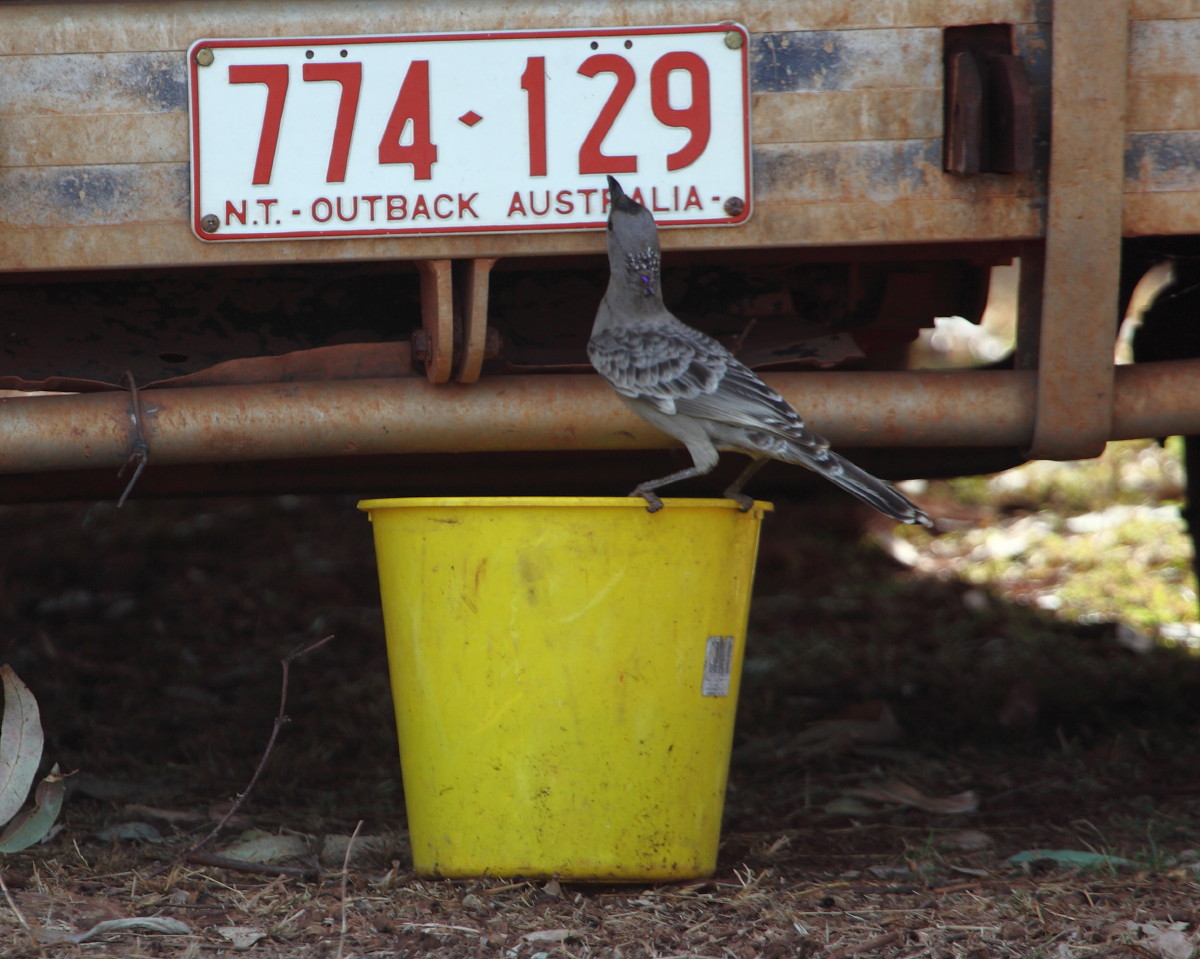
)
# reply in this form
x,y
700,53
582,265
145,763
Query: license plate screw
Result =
x,y
204,56
210,223
734,206
733,40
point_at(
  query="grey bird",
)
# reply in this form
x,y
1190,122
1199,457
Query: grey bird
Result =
x,y
688,385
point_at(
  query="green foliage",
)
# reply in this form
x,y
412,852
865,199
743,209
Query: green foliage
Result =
x,y
1069,589
1092,541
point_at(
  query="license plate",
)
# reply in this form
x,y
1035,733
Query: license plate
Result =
x,y
467,133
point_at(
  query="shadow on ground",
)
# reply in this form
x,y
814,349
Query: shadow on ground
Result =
x,y
152,638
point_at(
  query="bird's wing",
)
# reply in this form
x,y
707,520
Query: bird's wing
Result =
x,y
740,398
678,369
659,364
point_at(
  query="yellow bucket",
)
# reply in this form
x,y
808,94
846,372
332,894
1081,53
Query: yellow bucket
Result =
x,y
565,673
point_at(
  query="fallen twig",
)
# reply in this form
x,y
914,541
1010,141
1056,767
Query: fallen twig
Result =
x,y
281,720
244,865
869,946
345,874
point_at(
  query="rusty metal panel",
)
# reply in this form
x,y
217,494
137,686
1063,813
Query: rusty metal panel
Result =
x,y
1164,103
93,173
1153,214
1164,9
93,196
1164,47
1163,162
115,27
846,120
847,115
1164,86
79,140
812,60
877,171
1083,236
835,223
1162,157
74,83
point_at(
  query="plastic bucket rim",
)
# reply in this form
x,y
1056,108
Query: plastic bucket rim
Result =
x,y
613,502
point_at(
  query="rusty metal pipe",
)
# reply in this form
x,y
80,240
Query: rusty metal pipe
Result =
x,y
1157,399
410,415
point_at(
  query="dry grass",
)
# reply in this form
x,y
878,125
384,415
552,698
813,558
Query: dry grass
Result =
x,y
152,638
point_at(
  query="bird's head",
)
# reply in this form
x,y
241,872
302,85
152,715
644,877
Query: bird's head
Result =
x,y
633,253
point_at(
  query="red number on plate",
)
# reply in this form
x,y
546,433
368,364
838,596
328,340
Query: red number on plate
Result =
x,y
349,75
533,82
275,76
412,104
412,108
591,160
695,116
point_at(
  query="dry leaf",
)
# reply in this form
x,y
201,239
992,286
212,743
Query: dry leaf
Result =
x,y
35,823
864,722
333,849
160,924
969,840
550,935
1170,941
20,743
129,831
241,937
1073,858
266,848
898,792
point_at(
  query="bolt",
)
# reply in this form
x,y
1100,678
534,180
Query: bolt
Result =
x,y
204,56
492,344
421,345
734,206
209,223
733,40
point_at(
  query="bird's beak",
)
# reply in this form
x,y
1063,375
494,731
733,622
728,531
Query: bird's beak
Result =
x,y
618,199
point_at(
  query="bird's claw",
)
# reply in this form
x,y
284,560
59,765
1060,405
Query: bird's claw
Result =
x,y
743,501
653,503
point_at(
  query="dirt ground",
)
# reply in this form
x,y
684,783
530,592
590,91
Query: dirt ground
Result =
x,y
913,775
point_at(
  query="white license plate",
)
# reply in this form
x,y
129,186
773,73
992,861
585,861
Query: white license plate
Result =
x,y
463,133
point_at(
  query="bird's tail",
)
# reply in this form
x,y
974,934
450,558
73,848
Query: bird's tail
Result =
x,y
858,482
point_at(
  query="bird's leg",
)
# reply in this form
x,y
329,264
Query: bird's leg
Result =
x,y
646,489
734,492
653,502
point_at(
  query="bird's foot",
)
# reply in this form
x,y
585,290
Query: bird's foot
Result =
x,y
744,502
653,503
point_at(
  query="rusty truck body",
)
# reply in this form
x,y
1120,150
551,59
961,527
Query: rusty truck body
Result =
x,y
894,153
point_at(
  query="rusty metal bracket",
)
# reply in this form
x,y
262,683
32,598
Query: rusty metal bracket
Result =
x,y
1074,406
434,342
988,112
473,341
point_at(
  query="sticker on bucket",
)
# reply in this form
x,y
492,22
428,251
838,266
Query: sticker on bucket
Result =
x,y
718,665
